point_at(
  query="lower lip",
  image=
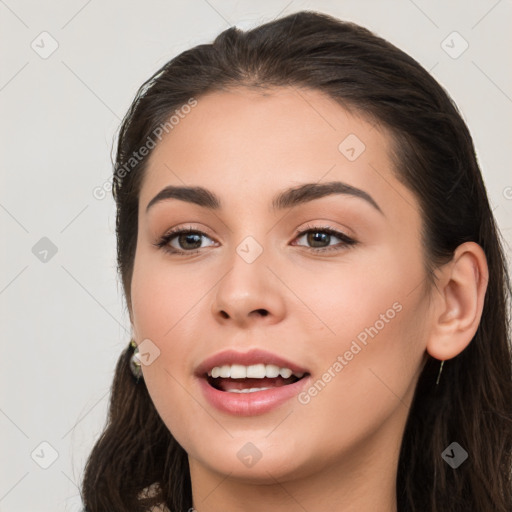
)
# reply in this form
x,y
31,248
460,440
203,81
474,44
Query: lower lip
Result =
x,y
251,404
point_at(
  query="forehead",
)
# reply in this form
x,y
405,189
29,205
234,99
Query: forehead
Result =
x,y
276,116
248,142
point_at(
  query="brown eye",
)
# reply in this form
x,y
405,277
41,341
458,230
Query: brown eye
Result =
x,y
182,241
188,240
320,238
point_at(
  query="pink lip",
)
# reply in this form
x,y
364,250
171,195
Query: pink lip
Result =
x,y
254,356
249,404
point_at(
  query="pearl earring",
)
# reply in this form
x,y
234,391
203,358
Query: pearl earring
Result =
x,y
135,365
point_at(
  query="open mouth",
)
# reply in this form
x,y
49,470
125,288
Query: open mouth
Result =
x,y
251,385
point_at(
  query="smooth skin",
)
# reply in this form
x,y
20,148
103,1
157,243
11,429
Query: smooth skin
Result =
x,y
340,450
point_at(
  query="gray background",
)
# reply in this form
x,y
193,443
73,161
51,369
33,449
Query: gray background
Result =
x,y
63,316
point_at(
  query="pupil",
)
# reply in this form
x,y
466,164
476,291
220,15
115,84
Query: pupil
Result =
x,y
313,238
185,238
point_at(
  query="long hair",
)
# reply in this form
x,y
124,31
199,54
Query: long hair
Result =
x,y
434,156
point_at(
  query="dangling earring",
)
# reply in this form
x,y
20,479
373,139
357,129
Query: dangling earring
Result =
x,y
439,375
135,362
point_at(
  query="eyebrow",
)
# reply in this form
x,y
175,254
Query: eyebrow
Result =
x,y
286,199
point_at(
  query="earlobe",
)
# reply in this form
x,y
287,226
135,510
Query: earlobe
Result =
x,y
458,304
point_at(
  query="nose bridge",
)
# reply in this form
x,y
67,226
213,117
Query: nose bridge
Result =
x,y
249,289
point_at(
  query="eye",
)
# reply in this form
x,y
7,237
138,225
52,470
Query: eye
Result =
x,y
189,241
185,241
321,236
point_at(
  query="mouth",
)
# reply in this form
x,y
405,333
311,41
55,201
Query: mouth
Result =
x,y
247,384
260,377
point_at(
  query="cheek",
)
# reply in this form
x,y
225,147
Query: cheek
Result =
x,y
366,380
347,296
372,338
165,297
167,309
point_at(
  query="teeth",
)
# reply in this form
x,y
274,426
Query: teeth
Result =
x,y
225,371
254,371
285,373
252,390
238,371
221,371
272,370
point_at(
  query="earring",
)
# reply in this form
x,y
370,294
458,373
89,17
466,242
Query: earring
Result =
x,y
439,375
135,362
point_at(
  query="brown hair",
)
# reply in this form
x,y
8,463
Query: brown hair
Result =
x,y
435,158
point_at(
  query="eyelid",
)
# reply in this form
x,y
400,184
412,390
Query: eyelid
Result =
x,y
325,225
185,229
173,232
346,240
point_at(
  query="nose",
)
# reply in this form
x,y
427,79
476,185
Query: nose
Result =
x,y
248,293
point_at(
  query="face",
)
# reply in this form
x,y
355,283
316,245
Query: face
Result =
x,y
332,283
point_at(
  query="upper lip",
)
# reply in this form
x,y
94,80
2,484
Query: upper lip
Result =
x,y
253,356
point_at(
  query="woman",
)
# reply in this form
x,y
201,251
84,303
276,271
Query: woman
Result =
x,y
316,287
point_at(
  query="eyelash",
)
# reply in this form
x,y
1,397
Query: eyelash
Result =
x,y
346,241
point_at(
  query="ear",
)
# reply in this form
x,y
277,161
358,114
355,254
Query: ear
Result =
x,y
458,302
